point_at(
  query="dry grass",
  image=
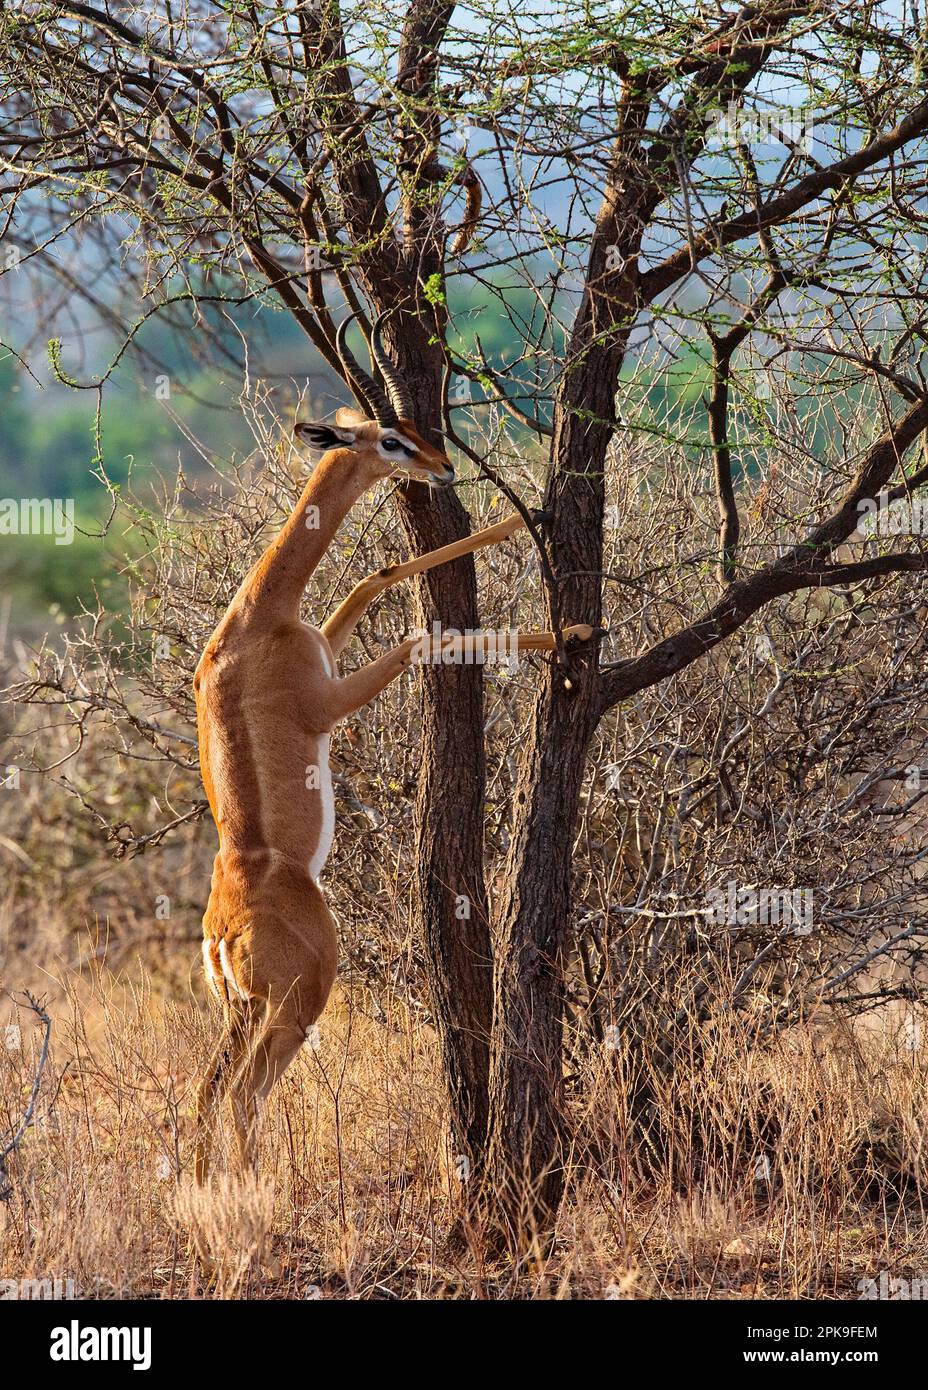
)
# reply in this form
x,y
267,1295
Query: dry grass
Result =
x,y
790,1171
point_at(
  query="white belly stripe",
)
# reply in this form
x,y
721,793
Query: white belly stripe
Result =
x,y
326,810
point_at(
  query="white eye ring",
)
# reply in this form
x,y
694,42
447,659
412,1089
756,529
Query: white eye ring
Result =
x,y
399,449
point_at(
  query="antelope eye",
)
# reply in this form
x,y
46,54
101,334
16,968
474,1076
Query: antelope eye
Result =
x,y
391,445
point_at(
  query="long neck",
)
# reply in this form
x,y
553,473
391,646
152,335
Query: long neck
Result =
x,y
283,571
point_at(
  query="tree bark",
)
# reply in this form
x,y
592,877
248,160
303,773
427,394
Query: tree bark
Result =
x,y
527,1124
526,1152
450,907
527,1129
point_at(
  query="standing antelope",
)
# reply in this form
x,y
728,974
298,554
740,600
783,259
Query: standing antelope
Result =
x,y
267,697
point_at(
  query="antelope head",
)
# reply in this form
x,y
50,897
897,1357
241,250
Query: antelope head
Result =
x,y
382,435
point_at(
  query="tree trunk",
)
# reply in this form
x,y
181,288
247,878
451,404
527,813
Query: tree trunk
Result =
x,y
450,908
526,1153
532,917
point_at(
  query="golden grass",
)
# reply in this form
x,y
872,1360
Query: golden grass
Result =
x,y
792,1170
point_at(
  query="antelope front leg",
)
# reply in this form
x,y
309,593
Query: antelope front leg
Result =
x,y
341,625
354,691
358,689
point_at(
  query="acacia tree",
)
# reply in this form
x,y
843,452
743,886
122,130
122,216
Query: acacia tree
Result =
x,y
739,189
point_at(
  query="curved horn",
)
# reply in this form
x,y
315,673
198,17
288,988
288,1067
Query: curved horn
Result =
x,y
396,387
369,393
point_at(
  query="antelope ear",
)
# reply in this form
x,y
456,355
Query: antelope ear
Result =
x,y
318,434
347,415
